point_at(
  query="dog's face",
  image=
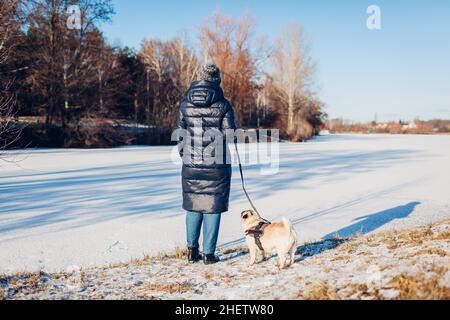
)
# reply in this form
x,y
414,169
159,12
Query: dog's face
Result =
x,y
249,218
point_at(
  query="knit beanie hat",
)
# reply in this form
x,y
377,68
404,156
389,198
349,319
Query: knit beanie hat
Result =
x,y
209,72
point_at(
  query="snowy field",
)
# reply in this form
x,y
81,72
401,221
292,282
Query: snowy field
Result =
x,y
66,208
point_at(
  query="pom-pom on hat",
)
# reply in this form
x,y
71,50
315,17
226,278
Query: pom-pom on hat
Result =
x,y
209,72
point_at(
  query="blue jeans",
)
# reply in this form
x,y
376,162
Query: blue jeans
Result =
x,y
211,224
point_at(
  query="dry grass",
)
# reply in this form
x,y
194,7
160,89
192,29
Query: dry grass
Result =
x,y
435,251
359,291
338,258
371,241
33,280
349,247
398,238
418,236
172,288
227,279
419,287
178,253
29,279
21,282
411,238
392,242
208,276
320,291
443,236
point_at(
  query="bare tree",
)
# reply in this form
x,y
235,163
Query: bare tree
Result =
x,y
9,130
264,108
293,71
156,65
183,61
227,42
171,67
63,57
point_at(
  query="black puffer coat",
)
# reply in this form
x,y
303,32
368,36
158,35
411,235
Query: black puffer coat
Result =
x,y
206,185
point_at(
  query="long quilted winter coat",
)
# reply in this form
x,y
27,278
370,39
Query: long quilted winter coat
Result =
x,y
206,185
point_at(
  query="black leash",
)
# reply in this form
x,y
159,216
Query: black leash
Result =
x,y
242,180
243,186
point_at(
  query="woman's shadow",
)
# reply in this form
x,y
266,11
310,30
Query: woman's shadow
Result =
x,y
369,223
362,225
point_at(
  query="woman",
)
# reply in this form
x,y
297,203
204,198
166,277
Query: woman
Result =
x,y
206,184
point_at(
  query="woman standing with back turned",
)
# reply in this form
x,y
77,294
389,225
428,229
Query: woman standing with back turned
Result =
x,y
206,185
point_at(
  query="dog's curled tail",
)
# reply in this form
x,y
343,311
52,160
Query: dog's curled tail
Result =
x,y
288,225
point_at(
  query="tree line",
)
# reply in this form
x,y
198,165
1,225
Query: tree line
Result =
x,y
435,126
72,87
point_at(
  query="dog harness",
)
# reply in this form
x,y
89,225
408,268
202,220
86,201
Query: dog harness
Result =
x,y
257,232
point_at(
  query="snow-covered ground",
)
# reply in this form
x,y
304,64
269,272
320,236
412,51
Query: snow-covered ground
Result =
x,y
66,208
398,264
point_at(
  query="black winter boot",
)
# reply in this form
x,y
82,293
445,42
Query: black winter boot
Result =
x,y
193,255
210,259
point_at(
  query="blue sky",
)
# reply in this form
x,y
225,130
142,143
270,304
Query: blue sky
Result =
x,y
399,72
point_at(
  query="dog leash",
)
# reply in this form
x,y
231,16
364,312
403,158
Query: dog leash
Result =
x,y
243,185
242,179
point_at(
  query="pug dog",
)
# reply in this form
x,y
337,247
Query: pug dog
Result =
x,y
279,237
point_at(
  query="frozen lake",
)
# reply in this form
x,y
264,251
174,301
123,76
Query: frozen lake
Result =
x,y
60,208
